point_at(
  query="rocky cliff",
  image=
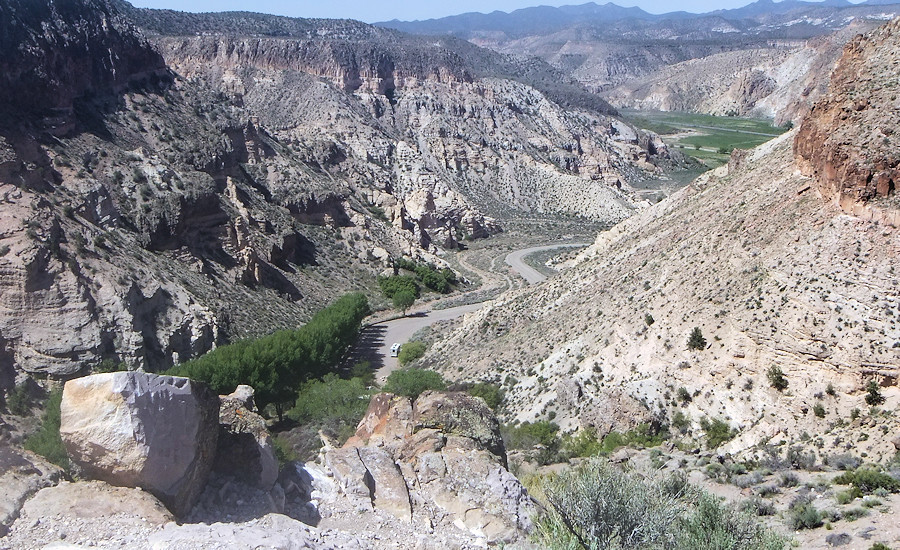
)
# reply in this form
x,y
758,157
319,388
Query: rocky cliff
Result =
x,y
848,142
140,210
165,195
752,256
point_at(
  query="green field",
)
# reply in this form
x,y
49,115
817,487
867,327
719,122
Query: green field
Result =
x,y
707,138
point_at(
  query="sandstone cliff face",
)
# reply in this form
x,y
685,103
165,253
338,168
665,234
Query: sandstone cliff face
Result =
x,y
848,143
440,145
54,53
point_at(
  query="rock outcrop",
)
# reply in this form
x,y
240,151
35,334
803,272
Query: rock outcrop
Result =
x,y
21,475
849,141
435,461
142,430
50,55
244,449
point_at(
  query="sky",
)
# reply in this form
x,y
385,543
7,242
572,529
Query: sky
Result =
x,y
371,11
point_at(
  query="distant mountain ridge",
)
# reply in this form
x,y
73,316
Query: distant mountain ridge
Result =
x,y
542,20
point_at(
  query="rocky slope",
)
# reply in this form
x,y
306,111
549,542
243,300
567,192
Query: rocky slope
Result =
x,y
163,196
772,274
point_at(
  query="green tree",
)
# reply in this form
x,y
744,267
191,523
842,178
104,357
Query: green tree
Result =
x,y
277,365
696,341
412,382
398,283
776,378
873,394
403,300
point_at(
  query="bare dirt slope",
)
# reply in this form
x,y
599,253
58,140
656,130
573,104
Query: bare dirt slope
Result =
x,y
771,273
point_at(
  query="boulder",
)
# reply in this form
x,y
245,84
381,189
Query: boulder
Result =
x,y
245,449
458,413
896,442
133,429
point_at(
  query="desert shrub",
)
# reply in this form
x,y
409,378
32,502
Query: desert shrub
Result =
x,y
819,410
277,365
542,437
803,515
758,507
18,401
649,320
848,496
110,365
712,525
644,435
398,283
853,514
800,460
843,461
491,393
283,451
696,341
789,479
411,351
681,421
873,394
47,441
412,382
717,431
331,401
879,546
597,506
583,443
868,480
776,378
331,404
683,395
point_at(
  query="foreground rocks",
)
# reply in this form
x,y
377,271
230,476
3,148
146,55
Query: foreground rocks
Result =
x,y
436,461
418,474
142,430
21,475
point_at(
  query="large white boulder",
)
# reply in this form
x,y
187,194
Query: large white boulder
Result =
x,y
134,429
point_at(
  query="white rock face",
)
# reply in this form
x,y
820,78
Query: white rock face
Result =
x,y
142,430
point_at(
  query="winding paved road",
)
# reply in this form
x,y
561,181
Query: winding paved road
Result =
x,y
516,260
375,341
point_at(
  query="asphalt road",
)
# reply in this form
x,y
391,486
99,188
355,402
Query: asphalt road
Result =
x,y
375,341
516,260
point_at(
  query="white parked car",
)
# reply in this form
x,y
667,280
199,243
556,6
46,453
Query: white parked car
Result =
x,y
395,350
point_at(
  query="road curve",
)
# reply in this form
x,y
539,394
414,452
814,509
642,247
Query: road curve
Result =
x,y
376,340
516,260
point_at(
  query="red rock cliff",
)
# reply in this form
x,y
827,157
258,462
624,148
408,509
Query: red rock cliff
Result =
x,y
848,141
